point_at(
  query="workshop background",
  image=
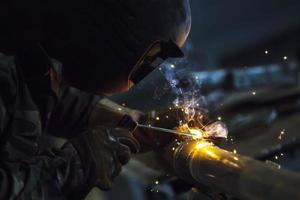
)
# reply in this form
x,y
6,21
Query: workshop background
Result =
x,y
243,56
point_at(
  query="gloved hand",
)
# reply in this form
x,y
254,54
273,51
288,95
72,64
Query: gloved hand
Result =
x,y
103,151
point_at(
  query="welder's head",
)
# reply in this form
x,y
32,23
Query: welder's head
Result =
x,y
106,46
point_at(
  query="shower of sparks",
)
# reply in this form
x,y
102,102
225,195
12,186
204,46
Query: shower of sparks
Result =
x,y
192,119
281,134
195,132
214,130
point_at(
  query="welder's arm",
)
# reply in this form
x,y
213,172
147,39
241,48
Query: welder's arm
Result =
x,y
93,159
107,112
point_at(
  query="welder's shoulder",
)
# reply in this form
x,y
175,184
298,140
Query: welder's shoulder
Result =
x,y
8,79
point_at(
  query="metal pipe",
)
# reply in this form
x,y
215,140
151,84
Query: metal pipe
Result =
x,y
202,163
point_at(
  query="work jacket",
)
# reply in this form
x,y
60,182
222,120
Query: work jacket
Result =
x,y
37,118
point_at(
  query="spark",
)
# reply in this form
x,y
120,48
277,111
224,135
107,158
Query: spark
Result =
x,y
234,151
167,116
119,109
276,157
281,154
124,104
211,175
266,52
157,118
156,182
173,148
236,158
195,132
253,93
219,118
281,134
285,57
170,108
172,66
198,134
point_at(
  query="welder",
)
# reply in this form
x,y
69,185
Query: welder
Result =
x,y
58,59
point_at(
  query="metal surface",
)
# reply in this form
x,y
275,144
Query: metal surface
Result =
x,y
202,163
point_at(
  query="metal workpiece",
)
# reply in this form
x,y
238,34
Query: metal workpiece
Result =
x,y
203,163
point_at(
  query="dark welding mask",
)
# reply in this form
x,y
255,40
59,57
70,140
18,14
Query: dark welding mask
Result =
x,y
154,56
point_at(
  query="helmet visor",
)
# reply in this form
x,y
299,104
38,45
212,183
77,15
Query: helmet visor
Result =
x,y
158,52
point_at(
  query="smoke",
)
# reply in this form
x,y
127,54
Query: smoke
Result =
x,y
187,89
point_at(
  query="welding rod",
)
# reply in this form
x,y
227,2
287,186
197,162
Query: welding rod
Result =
x,y
164,130
239,176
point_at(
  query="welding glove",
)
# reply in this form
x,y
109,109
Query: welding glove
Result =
x,y
103,151
169,118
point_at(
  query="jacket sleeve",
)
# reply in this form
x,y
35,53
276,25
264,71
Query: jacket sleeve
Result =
x,y
56,173
8,184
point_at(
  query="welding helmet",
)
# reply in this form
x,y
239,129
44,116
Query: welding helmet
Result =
x,y
109,45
